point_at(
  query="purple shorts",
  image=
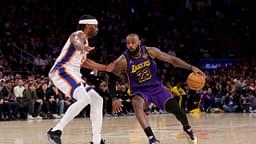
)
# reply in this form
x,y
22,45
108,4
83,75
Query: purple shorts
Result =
x,y
158,95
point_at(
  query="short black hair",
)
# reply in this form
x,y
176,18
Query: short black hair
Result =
x,y
133,35
81,26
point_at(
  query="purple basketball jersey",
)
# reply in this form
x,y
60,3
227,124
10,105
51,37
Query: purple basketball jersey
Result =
x,y
142,71
144,80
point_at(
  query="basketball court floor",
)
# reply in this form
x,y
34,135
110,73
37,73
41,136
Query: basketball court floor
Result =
x,y
210,128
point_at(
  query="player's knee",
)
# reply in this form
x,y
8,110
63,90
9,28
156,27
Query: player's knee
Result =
x,y
172,106
98,99
137,102
95,96
86,99
81,95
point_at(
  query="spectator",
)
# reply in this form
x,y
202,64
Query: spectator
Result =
x,y
1,102
59,99
18,90
245,102
207,100
252,102
11,106
230,104
107,100
31,103
49,101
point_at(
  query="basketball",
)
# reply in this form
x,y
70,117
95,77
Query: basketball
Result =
x,y
195,81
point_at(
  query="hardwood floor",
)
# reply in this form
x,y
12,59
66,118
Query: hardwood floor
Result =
x,y
210,129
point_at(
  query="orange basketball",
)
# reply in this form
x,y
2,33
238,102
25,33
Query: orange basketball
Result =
x,y
195,81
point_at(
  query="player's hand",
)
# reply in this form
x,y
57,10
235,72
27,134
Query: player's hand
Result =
x,y
110,67
198,71
117,106
88,48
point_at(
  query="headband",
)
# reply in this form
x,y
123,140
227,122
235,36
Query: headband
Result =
x,y
88,21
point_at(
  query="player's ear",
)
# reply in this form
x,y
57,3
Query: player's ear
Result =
x,y
139,42
86,26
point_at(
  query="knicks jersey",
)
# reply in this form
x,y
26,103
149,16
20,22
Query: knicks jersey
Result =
x,y
65,73
70,58
141,71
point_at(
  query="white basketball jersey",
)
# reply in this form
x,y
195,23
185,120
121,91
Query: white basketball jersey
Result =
x,y
70,58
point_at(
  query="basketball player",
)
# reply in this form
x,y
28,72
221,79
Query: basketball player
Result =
x,y
146,87
65,74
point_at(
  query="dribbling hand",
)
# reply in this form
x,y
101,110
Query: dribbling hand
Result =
x,y
198,71
117,106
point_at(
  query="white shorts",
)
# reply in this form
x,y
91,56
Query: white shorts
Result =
x,y
66,80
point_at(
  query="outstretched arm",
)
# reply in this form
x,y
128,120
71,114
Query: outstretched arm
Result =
x,y
119,67
90,64
175,61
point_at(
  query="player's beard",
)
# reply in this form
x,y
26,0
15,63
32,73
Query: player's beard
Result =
x,y
92,33
134,52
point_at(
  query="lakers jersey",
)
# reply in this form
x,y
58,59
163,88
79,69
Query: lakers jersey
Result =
x,y
141,71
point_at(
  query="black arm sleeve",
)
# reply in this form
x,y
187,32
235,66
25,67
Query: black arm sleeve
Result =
x,y
112,85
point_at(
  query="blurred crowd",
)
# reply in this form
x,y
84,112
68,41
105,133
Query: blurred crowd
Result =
x,y
189,29
228,89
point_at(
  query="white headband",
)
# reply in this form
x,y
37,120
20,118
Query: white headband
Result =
x,y
88,21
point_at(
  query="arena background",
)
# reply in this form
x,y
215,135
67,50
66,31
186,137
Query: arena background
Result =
x,y
216,35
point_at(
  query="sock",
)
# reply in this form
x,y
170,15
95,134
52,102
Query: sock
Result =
x,y
187,128
83,99
190,133
148,131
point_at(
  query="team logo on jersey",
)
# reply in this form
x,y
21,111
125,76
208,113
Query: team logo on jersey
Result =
x,y
140,66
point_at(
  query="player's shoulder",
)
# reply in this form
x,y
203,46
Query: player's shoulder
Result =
x,y
152,51
121,58
149,48
78,32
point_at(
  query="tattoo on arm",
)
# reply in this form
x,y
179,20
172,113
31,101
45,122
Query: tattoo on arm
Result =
x,y
77,39
119,69
181,63
120,66
175,61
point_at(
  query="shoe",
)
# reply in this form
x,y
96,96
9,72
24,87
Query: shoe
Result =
x,y
30,117
101,142
192,139
56,116
154,141
54,136
38,118
108,115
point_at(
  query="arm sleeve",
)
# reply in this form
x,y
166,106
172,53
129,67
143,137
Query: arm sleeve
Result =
x,y
112,85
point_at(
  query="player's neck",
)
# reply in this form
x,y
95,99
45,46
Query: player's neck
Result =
x,y
86,42
86,34
137,55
